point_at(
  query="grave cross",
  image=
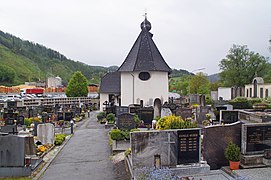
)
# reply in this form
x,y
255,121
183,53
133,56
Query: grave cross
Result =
x,y
168,151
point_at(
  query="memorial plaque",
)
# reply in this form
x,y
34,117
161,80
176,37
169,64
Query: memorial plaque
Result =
x,y
188,146
20,120
184,112
258,138
146,114
121,110
68,116
228,117
126,121
60,116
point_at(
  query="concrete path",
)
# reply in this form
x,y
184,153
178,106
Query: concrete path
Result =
x,y
85,156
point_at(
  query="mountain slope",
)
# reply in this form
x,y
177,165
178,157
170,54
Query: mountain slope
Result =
x,y
31,62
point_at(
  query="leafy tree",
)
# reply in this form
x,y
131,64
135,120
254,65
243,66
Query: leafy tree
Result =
x,y
199,84
241,65
77,86
7,74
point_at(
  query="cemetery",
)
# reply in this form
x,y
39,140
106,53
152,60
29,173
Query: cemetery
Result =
x,y
153,132
28,134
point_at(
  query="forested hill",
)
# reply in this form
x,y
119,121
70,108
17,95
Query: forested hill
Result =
x,y
22,61
28,61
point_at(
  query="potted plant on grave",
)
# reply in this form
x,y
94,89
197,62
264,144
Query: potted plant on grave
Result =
x,y
232,153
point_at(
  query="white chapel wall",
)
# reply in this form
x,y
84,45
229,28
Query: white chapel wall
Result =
x,y
134,88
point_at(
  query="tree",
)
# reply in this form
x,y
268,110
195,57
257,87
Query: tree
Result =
x,y
199,84
7,74
241,65
77,86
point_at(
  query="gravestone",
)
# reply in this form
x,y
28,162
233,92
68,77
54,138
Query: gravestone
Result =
x,y
121,110
146,114
256,145
11,129
256,137
9,121
30,113
12,151
60,116
126,121
11,104
30,148
228,117
44,117
184,112
165,112
36,127
215,140
175,147
194,99
133,108
68,116
20,120
46,133
201,112
188,146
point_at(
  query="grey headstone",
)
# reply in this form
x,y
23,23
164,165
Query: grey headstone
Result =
x,y
30,148
121,110
228,117
12,152
184,112
46,133
165,112
126,121
11,129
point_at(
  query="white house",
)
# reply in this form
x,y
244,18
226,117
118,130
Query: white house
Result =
x,y
258,89
54,82
142,77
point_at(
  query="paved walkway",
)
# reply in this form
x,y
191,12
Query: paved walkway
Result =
x,y
85,156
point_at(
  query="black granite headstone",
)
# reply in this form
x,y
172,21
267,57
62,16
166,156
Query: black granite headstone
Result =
x,y
146,114
126,121
9,121
188,146
228,117
60,116
68,116
258,138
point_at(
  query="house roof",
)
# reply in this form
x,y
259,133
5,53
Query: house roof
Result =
x,y
110,83
144,55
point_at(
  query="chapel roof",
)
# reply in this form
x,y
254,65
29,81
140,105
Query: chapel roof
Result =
x,y
144,55
110,83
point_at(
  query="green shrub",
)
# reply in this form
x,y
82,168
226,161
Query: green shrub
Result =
x,y
110,118
241,103
116,134
125,134
232,152
174,122
27,121
101,115
137,120
59,138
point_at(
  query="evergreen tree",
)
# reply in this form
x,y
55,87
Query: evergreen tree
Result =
x,y
77,86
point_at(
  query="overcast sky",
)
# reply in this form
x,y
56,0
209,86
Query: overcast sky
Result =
x,y
190,34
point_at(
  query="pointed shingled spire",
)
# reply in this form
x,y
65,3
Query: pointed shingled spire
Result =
x,y
144,55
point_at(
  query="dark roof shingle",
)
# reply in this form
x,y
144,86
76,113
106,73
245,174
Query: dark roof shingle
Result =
x,y
110,83
144,55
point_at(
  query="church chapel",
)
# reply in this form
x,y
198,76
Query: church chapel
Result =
x,y
142,77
